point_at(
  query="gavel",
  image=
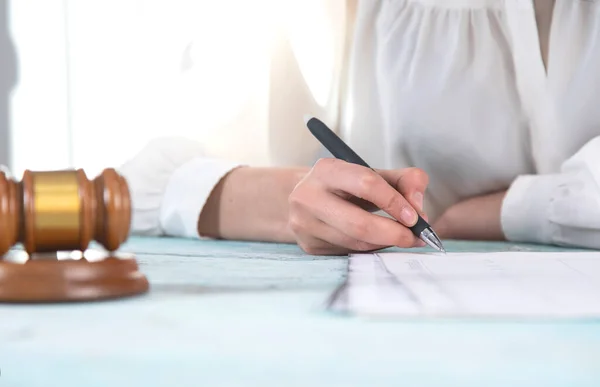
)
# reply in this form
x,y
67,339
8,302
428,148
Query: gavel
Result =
x,y
55,211
62,210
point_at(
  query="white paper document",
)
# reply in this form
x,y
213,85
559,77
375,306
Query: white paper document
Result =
x,y
504,284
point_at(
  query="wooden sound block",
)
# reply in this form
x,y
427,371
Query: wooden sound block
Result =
x,y
69,277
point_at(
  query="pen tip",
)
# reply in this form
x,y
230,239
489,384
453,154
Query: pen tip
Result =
x,y
307,117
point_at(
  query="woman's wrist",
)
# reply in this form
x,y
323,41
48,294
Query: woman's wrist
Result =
x,y
251,204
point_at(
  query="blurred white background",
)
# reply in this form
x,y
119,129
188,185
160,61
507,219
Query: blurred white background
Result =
x,y
97,79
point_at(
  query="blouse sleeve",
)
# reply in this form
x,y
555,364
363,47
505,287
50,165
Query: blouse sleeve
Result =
x,y
170,181
561,208
242,105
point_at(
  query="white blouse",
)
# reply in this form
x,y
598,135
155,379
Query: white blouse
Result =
x,y
455,87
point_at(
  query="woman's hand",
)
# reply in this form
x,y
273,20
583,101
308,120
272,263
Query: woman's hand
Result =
x,y
477,218
328,209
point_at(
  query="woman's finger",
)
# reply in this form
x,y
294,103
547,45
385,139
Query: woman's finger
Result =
x,y
317,236
315,246
341,177
355,222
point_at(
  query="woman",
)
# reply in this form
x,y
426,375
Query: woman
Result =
x,y
495,101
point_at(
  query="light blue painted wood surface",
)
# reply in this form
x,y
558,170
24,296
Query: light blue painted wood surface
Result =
x,y
240,314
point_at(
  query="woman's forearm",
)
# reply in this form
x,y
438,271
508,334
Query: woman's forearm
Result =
x,y
251,204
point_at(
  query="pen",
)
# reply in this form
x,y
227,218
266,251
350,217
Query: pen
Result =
x,y
340,150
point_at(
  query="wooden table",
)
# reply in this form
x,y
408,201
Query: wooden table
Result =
x,y
242,314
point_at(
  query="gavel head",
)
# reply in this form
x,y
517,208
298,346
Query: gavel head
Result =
x,y
53,211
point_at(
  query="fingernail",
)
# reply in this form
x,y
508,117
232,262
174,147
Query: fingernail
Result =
x,y
408,216
420,243
418,199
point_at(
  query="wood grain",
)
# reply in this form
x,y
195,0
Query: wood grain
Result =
x,y
48,279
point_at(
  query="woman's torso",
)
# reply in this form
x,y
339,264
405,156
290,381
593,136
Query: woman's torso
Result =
x,y
460,89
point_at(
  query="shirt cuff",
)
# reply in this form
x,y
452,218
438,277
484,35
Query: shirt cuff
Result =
x,y
186,193
527,206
